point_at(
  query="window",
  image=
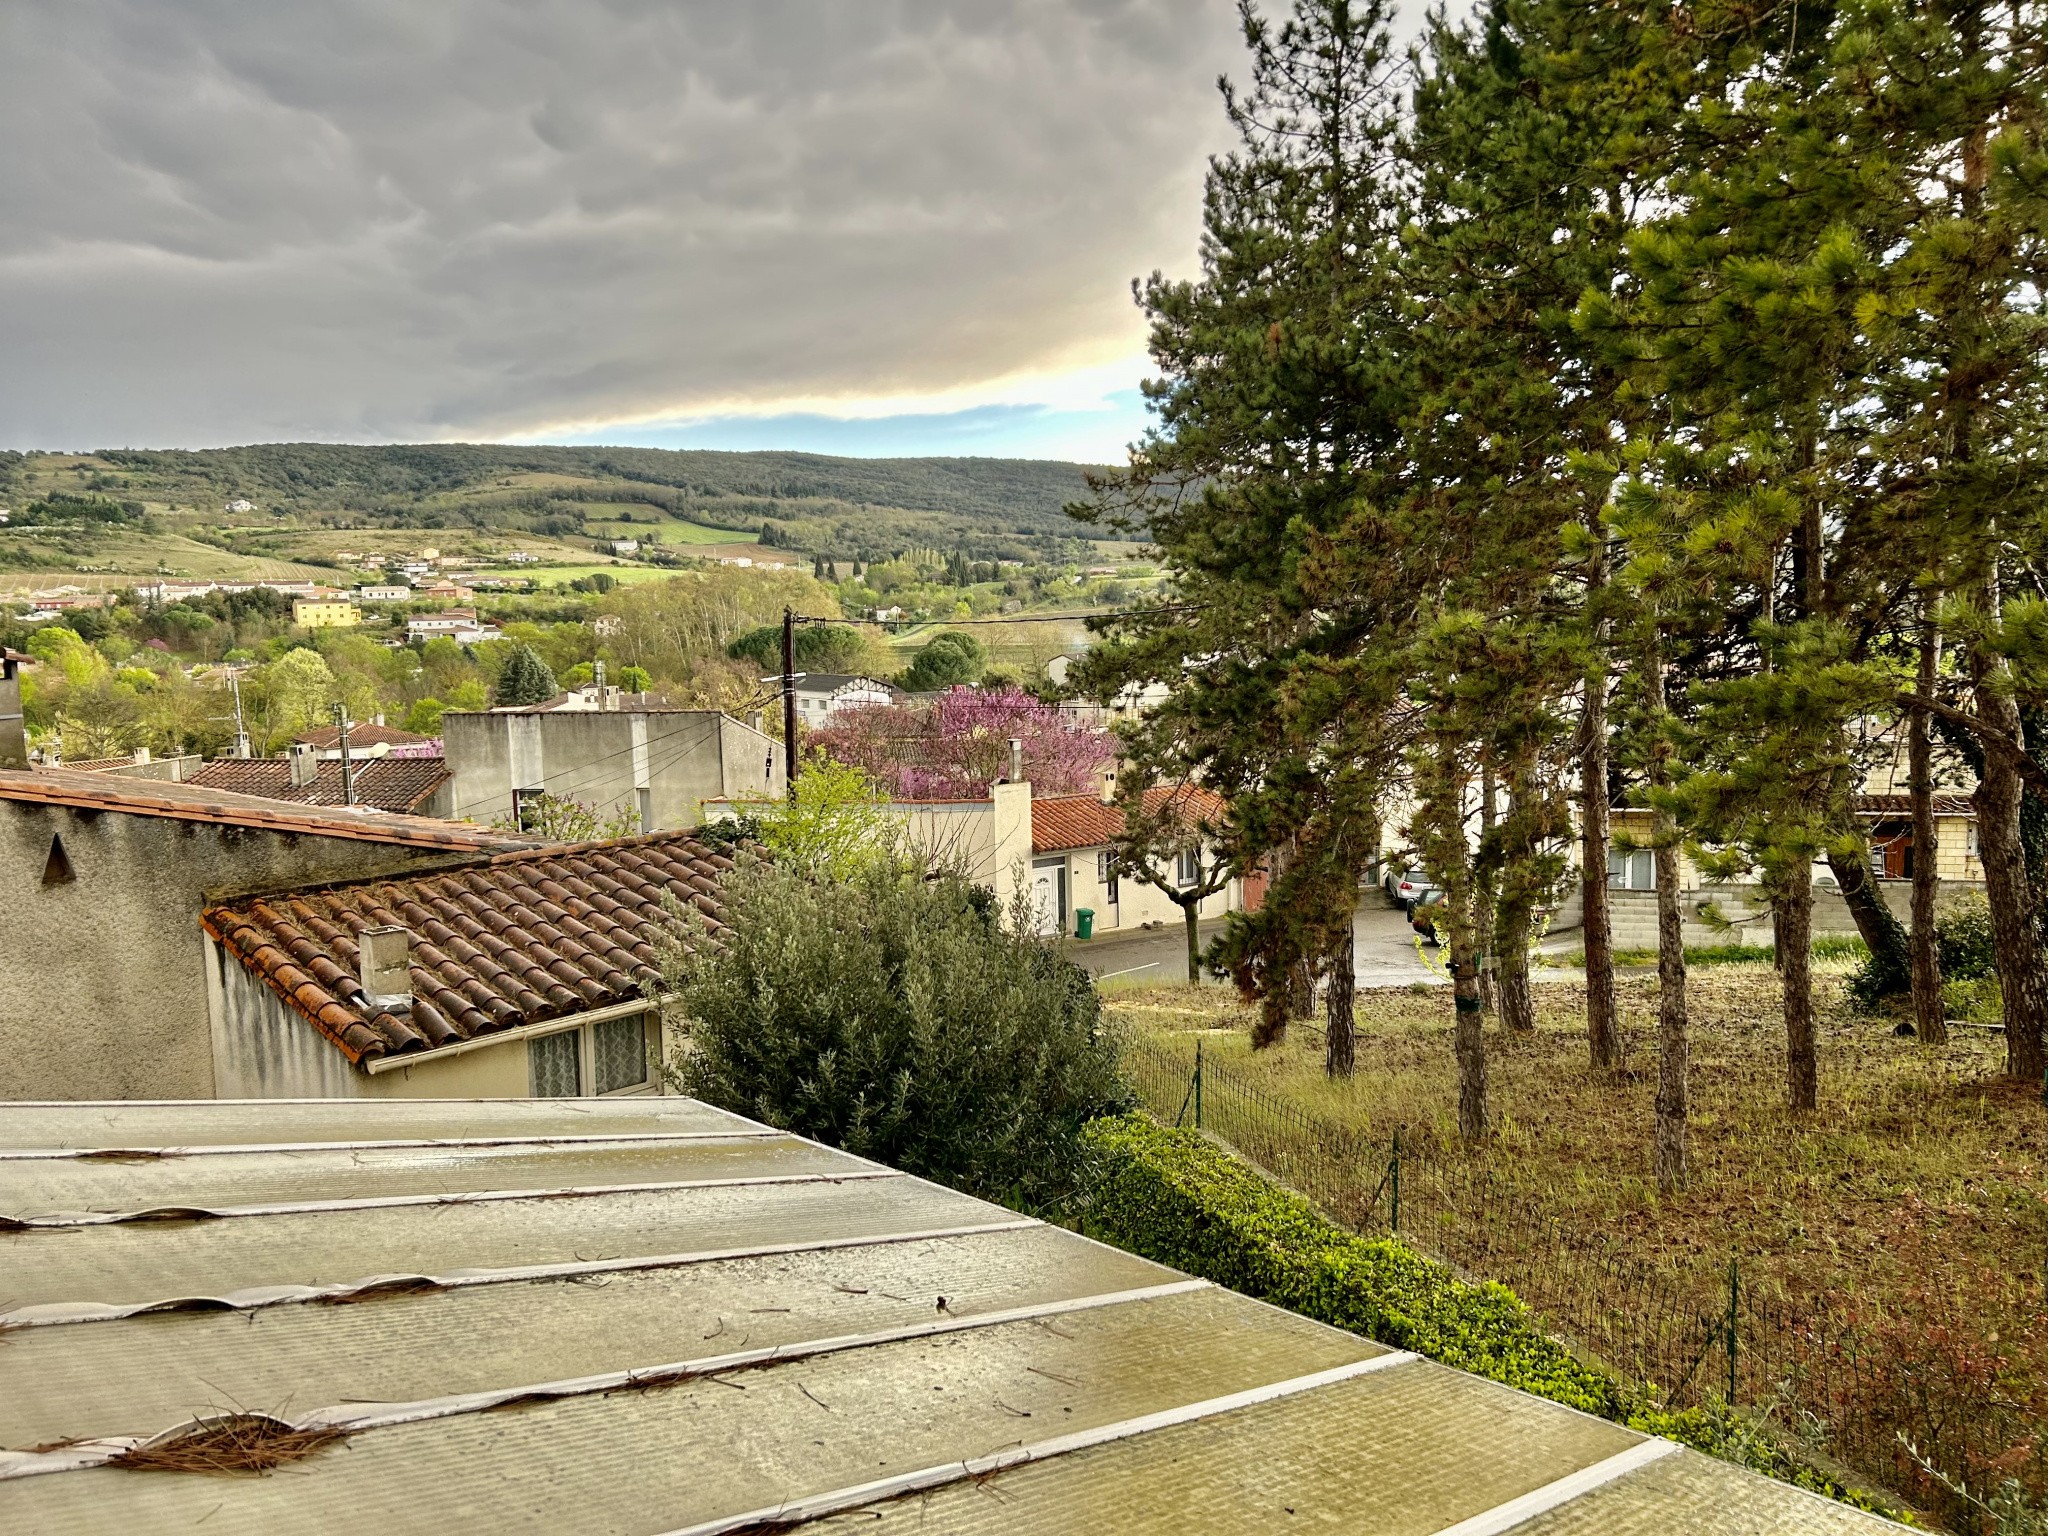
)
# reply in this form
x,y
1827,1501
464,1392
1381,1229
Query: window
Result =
x,y
526,808
1187,869
557,1062
610,1056
1632,869
619,1048
1105,876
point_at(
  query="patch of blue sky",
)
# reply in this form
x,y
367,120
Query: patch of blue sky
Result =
x,y
1096,434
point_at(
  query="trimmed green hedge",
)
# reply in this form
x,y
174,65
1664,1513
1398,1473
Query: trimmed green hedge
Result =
x,y
1173,1196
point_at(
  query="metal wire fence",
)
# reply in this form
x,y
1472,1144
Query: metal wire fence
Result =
x,y
1858,1384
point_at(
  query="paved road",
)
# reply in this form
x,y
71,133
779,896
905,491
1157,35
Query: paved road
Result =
x,y
1385,950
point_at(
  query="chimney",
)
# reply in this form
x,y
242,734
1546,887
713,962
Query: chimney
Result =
x,y
305,766
13,739
1109,786
385,956
141,756
1016,760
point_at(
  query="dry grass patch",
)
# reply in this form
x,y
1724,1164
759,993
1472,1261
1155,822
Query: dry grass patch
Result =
x,y
1894,1243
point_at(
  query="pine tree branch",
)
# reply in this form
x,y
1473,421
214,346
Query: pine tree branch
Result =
x,y
1994,739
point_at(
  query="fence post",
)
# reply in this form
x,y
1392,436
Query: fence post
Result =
x,y
1734,1293
1198,1085
1394,1183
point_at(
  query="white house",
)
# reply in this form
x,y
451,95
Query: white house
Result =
x,y
384,594
458,624
820,696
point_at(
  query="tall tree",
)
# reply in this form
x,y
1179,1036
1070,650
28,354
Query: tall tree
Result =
x,y
1279,401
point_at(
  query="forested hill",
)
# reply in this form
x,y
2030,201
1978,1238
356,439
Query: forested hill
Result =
x,y
818,500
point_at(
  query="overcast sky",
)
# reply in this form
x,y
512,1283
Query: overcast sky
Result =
x,y
858,226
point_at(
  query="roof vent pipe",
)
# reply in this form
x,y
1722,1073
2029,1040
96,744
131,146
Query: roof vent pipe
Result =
x,y
385,961
1016,760
305,765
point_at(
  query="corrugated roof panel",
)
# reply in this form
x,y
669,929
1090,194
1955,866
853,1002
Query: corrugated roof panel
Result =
x,y
1389,1453
658,1460
232,1122
141,1265
144,1375
1690,1492
42,1187
691,1357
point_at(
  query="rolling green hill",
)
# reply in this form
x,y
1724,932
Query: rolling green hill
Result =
x,y
992,508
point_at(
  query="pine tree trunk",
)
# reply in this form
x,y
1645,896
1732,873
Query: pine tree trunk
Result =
x,y
1795,967
1515,915
1301,989
2015,939
1469,1037
1340,997
1601,1035
1930,1015
1484,903
1674,1044
1884,935
2014,942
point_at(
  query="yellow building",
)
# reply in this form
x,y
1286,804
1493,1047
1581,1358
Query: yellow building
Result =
x,y
325,613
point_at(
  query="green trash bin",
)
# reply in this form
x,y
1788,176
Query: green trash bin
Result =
x,y
1084,922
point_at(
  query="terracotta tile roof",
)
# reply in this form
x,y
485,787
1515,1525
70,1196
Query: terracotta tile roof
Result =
x,y
1063,822
191,802
328,737
97,764
518,939
383,783
1902,805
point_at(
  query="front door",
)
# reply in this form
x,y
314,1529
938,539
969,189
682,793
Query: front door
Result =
x,y
1049,896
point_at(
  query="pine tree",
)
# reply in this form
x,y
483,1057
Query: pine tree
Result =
x,y
1279,407
526,679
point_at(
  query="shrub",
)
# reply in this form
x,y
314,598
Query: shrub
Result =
x,y
896,1017
1962,937
1172,1196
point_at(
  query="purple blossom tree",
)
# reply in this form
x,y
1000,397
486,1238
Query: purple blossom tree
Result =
x,y
959,745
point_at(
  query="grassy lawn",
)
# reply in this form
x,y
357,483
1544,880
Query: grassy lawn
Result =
x,y
1914,1201
603,522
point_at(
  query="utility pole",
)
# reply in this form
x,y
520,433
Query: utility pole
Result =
x,y
789,702
241,730
348,773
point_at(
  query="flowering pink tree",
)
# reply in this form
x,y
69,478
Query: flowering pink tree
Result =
x,y
960,744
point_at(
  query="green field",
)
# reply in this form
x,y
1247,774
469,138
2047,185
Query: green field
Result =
x,y
604,523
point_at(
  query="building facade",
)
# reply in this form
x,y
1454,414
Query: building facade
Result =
x,y
103,974
393,988
325,613
652,768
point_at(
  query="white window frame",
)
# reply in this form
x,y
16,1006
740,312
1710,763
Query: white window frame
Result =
x,y
1187,869
586,1058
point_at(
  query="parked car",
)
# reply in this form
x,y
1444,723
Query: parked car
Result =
x,y
1422,915
1405,890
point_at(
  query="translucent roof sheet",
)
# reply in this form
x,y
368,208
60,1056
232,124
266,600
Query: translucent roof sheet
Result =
x,y
677,1322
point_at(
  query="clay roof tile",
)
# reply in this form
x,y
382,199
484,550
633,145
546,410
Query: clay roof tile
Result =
x,y
514,938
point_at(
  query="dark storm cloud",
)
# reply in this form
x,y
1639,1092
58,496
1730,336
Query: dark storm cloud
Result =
x,y
228,222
